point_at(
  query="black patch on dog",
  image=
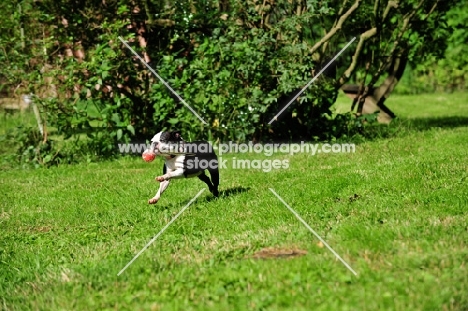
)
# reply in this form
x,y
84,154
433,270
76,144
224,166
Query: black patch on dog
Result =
x,y
173,136
193,161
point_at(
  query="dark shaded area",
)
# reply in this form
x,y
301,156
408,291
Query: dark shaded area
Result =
x,y
228,192
308,120
225,193
423,124
233,191
331,70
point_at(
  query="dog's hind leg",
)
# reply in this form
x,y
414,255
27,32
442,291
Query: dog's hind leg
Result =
x,y
214,173
207,181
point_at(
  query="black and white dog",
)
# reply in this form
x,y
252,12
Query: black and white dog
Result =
x,y
184,159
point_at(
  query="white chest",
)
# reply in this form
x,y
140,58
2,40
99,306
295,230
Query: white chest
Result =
x,y
175,163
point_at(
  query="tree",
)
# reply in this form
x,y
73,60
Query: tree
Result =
x,y
236,62
449,73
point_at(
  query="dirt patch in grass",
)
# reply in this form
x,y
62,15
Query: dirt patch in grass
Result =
x,y
4,215
272,252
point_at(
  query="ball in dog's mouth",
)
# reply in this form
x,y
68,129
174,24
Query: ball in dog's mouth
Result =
x,y
148,156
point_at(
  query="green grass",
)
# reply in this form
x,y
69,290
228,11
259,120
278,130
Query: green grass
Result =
x,y
396,211
420,107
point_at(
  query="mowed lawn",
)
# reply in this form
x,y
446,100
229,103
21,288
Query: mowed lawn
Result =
x,y
396,211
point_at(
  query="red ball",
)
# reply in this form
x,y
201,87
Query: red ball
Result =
x,y
148,156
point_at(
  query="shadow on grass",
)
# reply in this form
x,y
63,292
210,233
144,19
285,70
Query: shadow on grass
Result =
x,y
423,124
227,193
233,191
222,194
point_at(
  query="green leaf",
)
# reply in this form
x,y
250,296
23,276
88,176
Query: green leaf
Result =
x,y
131,129
47,158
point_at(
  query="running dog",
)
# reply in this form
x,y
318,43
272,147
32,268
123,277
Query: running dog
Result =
x,y
184,159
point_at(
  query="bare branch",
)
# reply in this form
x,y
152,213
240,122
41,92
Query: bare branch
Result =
x,y
365,36
376,8
431,10
338,26
390,5
341,10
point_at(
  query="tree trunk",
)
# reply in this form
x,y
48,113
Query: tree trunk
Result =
x,y
375,100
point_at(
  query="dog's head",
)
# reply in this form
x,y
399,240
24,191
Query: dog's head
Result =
x,y
167,143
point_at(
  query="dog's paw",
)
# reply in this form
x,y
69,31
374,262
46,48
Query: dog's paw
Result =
x,y
153,201
160,178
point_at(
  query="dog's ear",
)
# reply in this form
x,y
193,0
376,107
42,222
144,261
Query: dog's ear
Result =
x,y
165,137
176,136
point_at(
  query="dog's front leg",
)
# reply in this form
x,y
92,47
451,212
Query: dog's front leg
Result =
x,y
162,187
164,183
178,173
